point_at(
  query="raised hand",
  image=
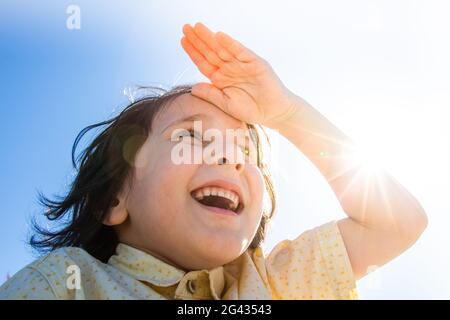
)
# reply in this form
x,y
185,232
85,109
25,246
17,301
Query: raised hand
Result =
x,y
242,84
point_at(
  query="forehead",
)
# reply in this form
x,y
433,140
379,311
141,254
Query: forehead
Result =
x,y
187,105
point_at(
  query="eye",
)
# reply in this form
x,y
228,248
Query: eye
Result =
x,y
246,152
250,153
190,133
194,134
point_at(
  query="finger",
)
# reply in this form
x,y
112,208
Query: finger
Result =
x,y
209,38
210,93
201,46
235,47
199,60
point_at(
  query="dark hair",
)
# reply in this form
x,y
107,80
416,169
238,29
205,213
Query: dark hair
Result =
x,y
104,166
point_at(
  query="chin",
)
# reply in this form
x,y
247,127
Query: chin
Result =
x,y
219,252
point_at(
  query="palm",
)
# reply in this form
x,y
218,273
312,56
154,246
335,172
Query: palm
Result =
x,y
242,83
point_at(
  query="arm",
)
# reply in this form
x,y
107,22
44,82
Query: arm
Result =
x,y
384,219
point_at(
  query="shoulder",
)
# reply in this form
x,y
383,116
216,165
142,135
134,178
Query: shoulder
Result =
x,y
314,265
324,239
27,283
45,278
62,258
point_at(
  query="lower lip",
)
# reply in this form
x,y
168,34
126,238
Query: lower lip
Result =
x,y
218,210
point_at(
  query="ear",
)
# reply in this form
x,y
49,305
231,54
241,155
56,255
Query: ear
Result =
x,y
117,213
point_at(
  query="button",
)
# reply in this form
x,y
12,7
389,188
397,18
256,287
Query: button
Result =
x,y
192,286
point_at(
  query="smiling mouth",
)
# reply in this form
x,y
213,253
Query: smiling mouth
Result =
x,y
217,201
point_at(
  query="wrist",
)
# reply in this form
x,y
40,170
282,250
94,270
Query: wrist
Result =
x,y
294,109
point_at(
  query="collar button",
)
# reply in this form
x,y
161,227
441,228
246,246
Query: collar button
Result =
x,y
191,286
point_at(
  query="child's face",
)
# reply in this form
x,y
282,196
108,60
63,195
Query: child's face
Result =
x,y
163,216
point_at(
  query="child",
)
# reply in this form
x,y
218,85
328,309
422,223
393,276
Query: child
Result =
x,y
144,225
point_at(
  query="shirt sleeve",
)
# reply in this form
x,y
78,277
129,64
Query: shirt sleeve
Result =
x,y
313,266
27,284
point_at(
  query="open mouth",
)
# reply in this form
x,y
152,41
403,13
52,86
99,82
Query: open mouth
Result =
x,y
216,197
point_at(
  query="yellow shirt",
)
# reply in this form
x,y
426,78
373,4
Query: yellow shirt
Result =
x,y
313,266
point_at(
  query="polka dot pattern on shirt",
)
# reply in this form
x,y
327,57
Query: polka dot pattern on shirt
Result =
x,y
315,265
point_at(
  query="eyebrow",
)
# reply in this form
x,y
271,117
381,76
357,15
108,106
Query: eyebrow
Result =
x,y
194,117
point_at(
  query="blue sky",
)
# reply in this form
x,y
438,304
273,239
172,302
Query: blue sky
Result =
x,y
378,70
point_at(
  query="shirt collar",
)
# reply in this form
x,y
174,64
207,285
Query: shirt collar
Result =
x,y
144,267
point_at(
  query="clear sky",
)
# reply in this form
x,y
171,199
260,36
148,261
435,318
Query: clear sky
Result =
x,y
379,70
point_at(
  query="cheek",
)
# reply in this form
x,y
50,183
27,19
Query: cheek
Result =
x,y
159,192
256,188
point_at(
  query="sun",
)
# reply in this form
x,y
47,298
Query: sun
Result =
x,y
370,160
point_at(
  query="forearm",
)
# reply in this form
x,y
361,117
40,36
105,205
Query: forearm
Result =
x,y
374,200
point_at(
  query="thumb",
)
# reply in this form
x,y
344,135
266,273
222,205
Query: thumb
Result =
x,y
210,93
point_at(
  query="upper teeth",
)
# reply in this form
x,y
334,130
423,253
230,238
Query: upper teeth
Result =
x,y
215,191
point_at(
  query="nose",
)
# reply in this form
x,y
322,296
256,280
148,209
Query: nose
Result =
x,y
223,161
224,154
